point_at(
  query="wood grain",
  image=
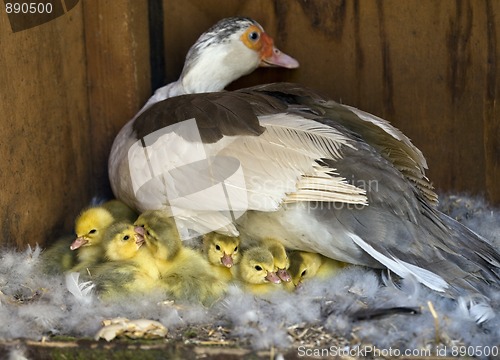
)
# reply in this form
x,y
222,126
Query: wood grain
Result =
x,y
118,68
45,129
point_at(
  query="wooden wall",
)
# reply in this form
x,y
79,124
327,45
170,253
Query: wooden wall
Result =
x,y
67,86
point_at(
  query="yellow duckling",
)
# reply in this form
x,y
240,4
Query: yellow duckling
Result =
x,y
130,268
256,271
90,226
281,260
306,265
185,273
222,252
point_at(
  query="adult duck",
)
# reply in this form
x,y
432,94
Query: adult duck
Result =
x,y
279,160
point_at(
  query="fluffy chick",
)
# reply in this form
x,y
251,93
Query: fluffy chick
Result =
x,y
306,265
281,260
130,267
185,273
90,226
256,271
222,253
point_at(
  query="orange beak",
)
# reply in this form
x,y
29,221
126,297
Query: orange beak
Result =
x,y
272,56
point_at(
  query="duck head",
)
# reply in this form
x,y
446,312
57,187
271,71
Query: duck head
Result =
x,y
232,48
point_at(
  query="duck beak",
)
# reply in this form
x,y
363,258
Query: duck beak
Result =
x,y
272,56
284,275
139,235
78,242
139,230
227,260
272,277
139,240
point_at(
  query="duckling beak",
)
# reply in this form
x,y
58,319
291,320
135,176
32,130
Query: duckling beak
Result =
x,y
139,230
139,240
272,277
139,235
78,242
284,275
272,56
227,260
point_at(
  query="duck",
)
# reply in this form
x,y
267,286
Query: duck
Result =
x,y
277,250
90,226
293,171
129,267
256,272
222,252
281,160
185,275
307,265
280,256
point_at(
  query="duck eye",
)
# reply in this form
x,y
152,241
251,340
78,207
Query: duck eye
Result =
x,y
235,249
258,268
126,237
303,273
217,247
254,36
93,231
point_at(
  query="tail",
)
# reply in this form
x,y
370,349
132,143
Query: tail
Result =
x,y
474,254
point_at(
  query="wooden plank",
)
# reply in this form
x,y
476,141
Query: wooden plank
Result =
x,y
43,152
491,113
117,45
430,67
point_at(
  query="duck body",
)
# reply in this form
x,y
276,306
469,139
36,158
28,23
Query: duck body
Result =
x,y
314,174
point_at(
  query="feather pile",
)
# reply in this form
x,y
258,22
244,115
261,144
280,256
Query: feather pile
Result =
x,y
358,304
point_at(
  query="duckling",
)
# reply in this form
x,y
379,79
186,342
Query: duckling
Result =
x,y
58,258
306,265
277,249
90,226
256,271
222,252
130,268
281,260
185,274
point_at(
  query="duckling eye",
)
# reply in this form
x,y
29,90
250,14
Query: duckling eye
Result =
x,y
303,273
126,237
217,247
258,268
254,36
235,249
93,231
